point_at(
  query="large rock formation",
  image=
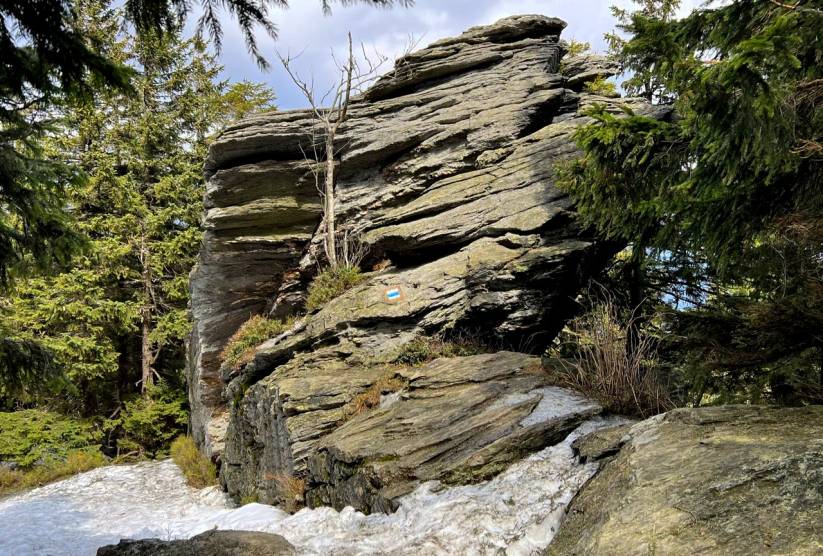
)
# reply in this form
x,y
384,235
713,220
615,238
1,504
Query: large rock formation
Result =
x,y
734,480
446,176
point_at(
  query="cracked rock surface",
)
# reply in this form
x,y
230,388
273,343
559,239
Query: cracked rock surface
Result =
x,y
733,480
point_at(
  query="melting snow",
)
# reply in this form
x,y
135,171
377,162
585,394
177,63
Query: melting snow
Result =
x,y
516,513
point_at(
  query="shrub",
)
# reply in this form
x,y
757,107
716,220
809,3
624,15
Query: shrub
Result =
x,y
601,87
331,283
196,466
76,461
575,48
371,397
425,349
35,436
148,424
240,348
606,366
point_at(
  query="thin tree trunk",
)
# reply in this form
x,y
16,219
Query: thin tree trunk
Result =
x,y
147,355
328,210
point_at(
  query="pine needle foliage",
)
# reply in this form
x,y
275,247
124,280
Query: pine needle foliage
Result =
x,y
718,191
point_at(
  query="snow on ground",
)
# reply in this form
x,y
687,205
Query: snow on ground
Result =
x,y
516,513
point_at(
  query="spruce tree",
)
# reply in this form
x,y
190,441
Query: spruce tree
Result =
x,y
721,199
115,319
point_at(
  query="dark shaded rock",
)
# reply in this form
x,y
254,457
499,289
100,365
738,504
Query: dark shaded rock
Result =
x,y
735,480
210,543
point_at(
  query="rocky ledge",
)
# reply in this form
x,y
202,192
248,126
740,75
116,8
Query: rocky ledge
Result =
x,y
446,179
735,480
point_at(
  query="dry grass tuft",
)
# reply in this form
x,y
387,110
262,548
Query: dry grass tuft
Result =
x,y
371,398
606,365
291,489
240,349
77,461
196,466
330,283
424,349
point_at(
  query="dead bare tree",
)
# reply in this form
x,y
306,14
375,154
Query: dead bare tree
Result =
x,y
330,111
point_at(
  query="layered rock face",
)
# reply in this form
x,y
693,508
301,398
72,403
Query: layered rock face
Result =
x,y
735,480
446,177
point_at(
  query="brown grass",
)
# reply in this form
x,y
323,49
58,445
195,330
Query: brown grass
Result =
x,y
196,466
371,397
291,489
78,461
604,366
424,349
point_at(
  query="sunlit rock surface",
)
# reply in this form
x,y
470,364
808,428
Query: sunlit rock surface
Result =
x,y
736,480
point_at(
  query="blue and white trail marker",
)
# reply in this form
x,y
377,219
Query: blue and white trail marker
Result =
x,y
394,295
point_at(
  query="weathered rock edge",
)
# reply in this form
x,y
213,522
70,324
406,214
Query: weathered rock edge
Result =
x,y
734,480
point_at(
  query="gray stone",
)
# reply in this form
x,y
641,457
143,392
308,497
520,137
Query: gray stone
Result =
x,y
210,543
735,480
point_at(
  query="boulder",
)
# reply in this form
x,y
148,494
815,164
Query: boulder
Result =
x,y
734,480
211,543
456,420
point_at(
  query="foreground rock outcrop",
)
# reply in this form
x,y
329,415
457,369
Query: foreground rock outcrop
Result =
x,y
211,543
735,480
446,180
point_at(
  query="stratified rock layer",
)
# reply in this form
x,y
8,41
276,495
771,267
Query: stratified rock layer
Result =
x,y
734,480
460,420
446,176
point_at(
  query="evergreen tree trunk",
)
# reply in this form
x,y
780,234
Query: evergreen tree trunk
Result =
x,y
633,275
147,354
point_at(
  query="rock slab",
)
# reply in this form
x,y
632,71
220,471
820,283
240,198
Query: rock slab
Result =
x,y
735,480
459,420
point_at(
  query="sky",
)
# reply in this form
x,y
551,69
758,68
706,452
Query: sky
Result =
x,y
305,30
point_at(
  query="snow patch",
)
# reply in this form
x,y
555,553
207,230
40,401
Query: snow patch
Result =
x,y
516,513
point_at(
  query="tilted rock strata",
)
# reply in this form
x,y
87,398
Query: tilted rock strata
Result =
x,y
446,171
460,420
734,480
